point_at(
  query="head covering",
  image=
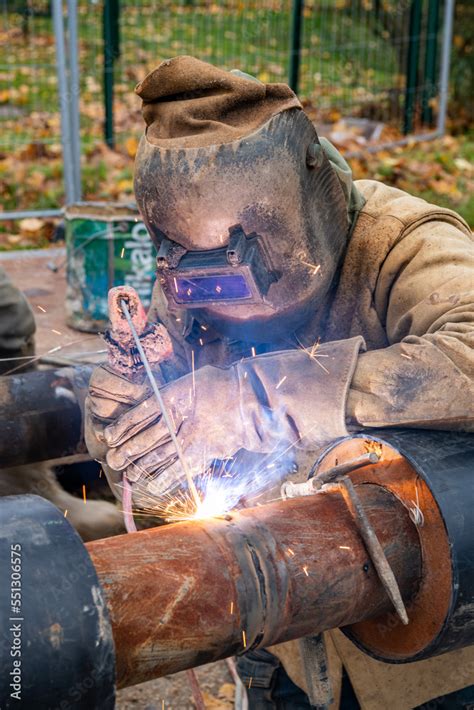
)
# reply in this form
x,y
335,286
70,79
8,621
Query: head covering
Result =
x,y
222,149
190,103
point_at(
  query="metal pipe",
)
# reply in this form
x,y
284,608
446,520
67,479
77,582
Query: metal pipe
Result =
x,y
194,592
445,63
23,214
58,23
40,415
74,112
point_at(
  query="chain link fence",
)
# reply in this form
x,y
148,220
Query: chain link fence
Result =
x,y
379,64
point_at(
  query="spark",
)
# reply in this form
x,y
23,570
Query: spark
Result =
x,y
344,547
100,473
218,289
175,285
203,327
201,341
372,446
193,372
189,291
232,607
290,552
84,493
43,310
408,357
65,513
281,382
305,570
312,352
122,252
314,267
222,487
244,638
253,352
58,332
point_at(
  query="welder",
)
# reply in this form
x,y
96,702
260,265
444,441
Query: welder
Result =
x,y
17,325
301,304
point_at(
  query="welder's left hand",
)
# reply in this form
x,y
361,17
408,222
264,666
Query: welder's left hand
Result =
x,y
257,404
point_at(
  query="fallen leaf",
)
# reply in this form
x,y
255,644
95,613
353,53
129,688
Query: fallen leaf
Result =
x,y
131,146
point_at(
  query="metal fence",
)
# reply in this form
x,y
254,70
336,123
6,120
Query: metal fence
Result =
x,y
68,67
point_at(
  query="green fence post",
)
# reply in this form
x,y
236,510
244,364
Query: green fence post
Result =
x,y
111,34
412,64
429,88
295,44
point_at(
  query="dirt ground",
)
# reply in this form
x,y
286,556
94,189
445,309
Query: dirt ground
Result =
x,y
173,692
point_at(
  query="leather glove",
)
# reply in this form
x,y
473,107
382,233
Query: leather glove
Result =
x,y
259,404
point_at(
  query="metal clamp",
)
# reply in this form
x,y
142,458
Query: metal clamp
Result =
x,y
336,478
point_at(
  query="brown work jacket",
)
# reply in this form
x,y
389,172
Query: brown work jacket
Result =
x,y
406,285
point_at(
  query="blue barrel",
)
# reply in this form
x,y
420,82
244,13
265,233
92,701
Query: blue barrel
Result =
x,y
107,245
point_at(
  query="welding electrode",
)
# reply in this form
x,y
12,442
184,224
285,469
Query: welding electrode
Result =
x,y
164,411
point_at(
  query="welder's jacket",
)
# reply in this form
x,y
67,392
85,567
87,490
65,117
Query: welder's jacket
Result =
x,y
406,285
17,324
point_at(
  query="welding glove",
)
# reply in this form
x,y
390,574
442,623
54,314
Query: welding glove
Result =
x,y
286,398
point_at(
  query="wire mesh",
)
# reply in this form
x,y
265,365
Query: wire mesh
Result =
x,y
28,82
359,59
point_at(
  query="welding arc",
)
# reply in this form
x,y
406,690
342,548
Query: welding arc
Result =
x,y
164,411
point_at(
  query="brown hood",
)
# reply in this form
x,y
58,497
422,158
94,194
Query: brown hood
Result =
x,y
190,103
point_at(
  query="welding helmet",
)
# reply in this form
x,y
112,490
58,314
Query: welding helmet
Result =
x,y
247,213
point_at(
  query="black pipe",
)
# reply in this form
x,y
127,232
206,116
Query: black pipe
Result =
x,y
56,648
445,461
40,415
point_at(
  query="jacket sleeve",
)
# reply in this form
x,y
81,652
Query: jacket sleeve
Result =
x,y
425,299
17,324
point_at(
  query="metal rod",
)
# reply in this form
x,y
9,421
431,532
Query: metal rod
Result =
x,y
374,547
431,52
315,482
164,410
387,145
58,24
74,89
445,63
111,52
24,214
412,65
295,46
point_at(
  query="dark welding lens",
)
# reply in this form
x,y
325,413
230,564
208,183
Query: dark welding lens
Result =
x,y
196,289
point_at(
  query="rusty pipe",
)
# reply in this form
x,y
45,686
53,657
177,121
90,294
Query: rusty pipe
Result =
x,y
194,592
